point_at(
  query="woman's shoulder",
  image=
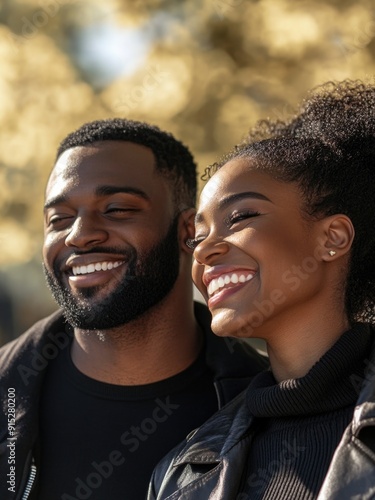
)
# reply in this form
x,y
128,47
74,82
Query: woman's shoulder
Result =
x,y
204,447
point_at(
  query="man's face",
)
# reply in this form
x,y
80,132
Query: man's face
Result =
x,y
111,245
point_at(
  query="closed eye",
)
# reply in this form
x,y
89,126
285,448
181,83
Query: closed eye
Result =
x,y
192,243
240,216
58,220
119,212
119,209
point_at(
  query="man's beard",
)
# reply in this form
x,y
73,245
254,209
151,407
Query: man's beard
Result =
x,y
148,279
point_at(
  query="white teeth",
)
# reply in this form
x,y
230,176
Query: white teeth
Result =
x,y
224,280
97,266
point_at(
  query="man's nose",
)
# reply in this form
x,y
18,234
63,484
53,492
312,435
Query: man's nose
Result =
x,y
86,232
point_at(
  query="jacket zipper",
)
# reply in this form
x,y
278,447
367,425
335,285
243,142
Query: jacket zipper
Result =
x,y
30,481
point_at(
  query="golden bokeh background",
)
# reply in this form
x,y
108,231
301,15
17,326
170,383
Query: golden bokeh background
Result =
x,y
205,70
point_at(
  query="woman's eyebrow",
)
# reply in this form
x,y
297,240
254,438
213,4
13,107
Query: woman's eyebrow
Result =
x,y
224,202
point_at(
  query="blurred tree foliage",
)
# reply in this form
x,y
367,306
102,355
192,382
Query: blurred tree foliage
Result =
x,y
205,70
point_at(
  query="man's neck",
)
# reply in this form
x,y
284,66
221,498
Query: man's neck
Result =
x,y
161,343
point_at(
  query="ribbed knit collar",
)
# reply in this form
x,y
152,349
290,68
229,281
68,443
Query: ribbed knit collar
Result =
x,y
332,383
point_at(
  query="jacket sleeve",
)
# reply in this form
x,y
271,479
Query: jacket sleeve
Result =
x,y
351,473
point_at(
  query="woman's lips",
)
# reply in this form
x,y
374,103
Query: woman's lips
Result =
x,y
226,284
228,280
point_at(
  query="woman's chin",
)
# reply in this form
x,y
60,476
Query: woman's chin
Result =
x,y
226,323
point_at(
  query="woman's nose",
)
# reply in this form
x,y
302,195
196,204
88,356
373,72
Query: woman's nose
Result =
x,y
210,249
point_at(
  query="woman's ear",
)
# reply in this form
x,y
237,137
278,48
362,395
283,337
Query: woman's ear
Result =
x,y
186,228
338,236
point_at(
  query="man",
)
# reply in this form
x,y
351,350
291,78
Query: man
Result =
x,y
96,395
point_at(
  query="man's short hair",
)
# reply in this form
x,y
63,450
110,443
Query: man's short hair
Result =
x,y
173,159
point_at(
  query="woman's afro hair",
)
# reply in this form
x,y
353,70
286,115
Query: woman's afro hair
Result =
x,y
328,149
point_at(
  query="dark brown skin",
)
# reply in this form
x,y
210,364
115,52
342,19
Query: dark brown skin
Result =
x,y
294,297
164,340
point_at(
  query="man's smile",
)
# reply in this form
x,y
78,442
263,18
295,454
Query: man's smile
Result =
x,y
92,269
97,266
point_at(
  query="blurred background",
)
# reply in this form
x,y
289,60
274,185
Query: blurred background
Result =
x,y
205,70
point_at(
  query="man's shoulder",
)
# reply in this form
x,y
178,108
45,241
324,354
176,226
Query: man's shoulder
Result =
x,y
35,339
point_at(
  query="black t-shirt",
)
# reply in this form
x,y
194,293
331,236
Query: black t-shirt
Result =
x,y
101,441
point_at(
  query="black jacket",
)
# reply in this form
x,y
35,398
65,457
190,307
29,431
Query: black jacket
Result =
x,y
209,465
23,363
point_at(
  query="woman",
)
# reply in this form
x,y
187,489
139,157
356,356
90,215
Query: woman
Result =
x,y
285,251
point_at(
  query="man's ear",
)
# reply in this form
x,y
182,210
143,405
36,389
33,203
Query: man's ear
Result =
x,y
338,236
186,228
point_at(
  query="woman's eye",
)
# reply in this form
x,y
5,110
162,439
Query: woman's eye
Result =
x,y
239,216
192,243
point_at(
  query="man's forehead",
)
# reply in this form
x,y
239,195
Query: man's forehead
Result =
x,y
106,167
124,155
67,163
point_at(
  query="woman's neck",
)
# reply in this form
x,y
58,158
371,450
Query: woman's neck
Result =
x,y
293,352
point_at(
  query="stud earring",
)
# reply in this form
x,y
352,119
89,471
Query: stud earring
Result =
x,y
332,253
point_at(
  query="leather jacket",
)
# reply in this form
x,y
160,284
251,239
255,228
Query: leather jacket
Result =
x,y
23,364
209,464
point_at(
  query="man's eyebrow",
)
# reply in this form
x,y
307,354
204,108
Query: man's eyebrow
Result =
x,y
105,190
57,200
224,202
108,190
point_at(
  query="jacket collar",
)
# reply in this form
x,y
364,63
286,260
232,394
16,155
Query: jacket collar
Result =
x,y
24,362
364,413
218,435
210,442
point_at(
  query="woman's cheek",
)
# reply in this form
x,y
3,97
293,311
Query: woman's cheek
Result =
x,y
197,273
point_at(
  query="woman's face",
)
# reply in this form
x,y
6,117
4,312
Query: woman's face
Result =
x,y
257,259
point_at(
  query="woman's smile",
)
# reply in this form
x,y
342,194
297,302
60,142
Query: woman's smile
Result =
x,y
250,233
